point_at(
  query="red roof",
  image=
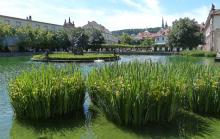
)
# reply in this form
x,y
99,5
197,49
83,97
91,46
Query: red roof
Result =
x,y
146,34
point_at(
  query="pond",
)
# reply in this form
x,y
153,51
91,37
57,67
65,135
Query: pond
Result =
x,y
97,126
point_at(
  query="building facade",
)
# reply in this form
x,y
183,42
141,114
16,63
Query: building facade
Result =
x,y
212,31
19,22
160,37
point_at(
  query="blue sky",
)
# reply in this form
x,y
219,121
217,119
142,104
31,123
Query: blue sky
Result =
x,y
114,14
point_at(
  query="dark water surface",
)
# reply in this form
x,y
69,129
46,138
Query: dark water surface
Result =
x,y
78,128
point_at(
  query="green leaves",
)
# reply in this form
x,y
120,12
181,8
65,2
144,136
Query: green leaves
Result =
x,y
185,33
135,94
47,92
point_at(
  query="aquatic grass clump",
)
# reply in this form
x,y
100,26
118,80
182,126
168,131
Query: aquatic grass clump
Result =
x,y
204,91
47,92
135,94
198,53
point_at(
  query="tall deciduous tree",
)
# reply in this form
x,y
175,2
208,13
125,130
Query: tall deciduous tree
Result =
x,y
185,33
96,38
125,39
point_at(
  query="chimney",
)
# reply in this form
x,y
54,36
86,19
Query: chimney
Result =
x,y
30,18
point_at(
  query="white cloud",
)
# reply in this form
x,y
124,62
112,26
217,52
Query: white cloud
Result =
x,y
142,14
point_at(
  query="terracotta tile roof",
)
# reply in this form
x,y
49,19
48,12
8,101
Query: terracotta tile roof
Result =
x,y
146,34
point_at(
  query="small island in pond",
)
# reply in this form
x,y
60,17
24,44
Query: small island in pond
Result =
x,y
70,57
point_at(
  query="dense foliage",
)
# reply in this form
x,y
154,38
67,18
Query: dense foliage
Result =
x,y
47,92
27,38
147,42
136,94
185,33
198,53
96,38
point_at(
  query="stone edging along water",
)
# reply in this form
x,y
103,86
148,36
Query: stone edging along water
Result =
x,y
58,60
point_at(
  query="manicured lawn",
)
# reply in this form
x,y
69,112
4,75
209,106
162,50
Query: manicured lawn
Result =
x,y
70,56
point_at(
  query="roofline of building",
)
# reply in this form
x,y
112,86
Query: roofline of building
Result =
x,y
30,20
211,13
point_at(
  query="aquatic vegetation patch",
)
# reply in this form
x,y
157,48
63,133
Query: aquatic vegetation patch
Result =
x,y
135,94
47,92
198,53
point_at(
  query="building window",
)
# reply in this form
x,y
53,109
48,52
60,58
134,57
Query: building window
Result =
x,y
158,39
7,21
163,38
18,24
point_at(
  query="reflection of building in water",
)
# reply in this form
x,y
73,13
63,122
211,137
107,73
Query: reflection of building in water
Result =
x,y
212,30
109,38
19,22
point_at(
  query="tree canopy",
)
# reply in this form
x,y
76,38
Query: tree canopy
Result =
x,y
185,33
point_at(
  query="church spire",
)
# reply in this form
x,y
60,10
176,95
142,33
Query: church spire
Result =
x,y
162,23
166,25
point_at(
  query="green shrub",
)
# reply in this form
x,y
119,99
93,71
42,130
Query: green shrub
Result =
x,y
198,53
47,92
135,94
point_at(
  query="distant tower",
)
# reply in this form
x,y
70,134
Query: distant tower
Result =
x,y
65,22
69,21
166,25
69,24
162,23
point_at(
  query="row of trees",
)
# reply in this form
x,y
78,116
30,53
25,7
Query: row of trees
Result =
x,y
27,38
185,33
127,39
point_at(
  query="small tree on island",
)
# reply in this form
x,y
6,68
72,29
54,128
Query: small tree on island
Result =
x,y
78,40
185,33
96,38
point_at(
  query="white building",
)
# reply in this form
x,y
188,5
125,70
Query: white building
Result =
x,y
161,38
18,22
212,31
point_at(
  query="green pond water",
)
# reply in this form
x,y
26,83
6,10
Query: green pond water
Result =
x,y
96,126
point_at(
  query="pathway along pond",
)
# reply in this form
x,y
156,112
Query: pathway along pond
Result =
x,y
98,127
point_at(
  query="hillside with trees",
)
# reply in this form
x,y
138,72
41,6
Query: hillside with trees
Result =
x,y
134,31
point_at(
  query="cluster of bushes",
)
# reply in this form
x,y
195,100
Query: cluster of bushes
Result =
x,y
47,92
135,94
27,38
198,53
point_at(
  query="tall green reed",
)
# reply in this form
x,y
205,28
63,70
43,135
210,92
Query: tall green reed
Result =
x,y
136,93
47,92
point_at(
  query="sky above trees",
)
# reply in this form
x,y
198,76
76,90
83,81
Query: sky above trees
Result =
x,y
114,14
